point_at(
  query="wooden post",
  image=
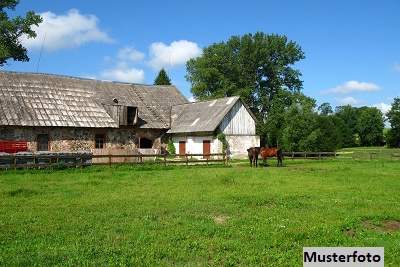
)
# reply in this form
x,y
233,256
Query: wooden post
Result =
x,y
292,154
15,162
187,159
109,160
165,159
319,155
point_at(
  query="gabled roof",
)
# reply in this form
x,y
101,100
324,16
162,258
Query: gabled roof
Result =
x,y
32,99
204,116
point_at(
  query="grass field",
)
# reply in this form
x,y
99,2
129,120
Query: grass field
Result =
x,y
196,216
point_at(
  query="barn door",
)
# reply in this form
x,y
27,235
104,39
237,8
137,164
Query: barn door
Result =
x,y
206,148
43,142
182,148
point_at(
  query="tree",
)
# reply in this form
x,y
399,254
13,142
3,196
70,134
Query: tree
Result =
x,y
11,31
393,116
256,67
347,115
370,126
162,78
325,109
171,147
300,121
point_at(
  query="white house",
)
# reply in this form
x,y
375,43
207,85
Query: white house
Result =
x,y
194,126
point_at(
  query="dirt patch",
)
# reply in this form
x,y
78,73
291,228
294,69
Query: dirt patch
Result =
x,y
350,232
386,226
220,219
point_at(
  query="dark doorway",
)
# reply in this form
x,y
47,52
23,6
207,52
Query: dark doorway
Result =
x,y
130,116
43,142
145,143
182,148
206,148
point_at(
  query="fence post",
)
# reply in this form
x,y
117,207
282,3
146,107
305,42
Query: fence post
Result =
x,y
165,159
109,160
15,162
319,155
187,159
292,154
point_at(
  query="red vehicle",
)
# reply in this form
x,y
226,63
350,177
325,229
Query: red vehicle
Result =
x,y
13,146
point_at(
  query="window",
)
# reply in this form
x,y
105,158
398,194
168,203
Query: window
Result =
x,y
99,140
130,115
43,142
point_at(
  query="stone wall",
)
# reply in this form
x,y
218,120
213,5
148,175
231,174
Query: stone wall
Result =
x,y
78,139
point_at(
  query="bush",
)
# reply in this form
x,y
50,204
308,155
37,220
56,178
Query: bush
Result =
x,y
171,147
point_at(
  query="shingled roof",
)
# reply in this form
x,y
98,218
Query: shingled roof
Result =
x,y
32,99
204,116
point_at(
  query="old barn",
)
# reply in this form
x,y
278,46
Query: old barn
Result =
x,y
61,113
194,125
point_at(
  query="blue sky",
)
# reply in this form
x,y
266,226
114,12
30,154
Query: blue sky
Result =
x,y
351,47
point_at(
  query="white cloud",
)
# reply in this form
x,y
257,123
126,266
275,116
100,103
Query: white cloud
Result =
x,y
177,53
192,99
65,31
354,86
396,67
130,54
348,101
382,107
123,73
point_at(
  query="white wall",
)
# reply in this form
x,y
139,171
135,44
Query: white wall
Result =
x,y
194,144
238,144
238,121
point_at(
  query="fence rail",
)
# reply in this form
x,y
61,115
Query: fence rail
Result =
x,y
309,155
45,160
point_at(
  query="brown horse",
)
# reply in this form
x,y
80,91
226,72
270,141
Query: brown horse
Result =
x,y
267,152
253,153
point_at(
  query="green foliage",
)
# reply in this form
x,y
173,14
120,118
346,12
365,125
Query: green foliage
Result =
x,y
163,216
370,126
222,138
393,116
162,78
171,147
325,109
254,66
11,31
347,115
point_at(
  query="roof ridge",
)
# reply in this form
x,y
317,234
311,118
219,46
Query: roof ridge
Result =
x,y
81,78
209,100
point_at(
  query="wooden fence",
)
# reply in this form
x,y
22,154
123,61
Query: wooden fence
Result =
x,y
50,160
342,155
188,159
309,155
44,160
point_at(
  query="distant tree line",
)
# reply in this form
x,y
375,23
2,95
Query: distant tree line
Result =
x,y
260,68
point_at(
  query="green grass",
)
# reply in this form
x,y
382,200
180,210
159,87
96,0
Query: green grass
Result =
x,y
196,216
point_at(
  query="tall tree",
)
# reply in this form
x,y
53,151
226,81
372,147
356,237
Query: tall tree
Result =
x,y
162,78
370,126
325,109
254,66
393,117
347,115
11,31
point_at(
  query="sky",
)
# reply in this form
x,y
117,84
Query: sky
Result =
x,y
351,47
